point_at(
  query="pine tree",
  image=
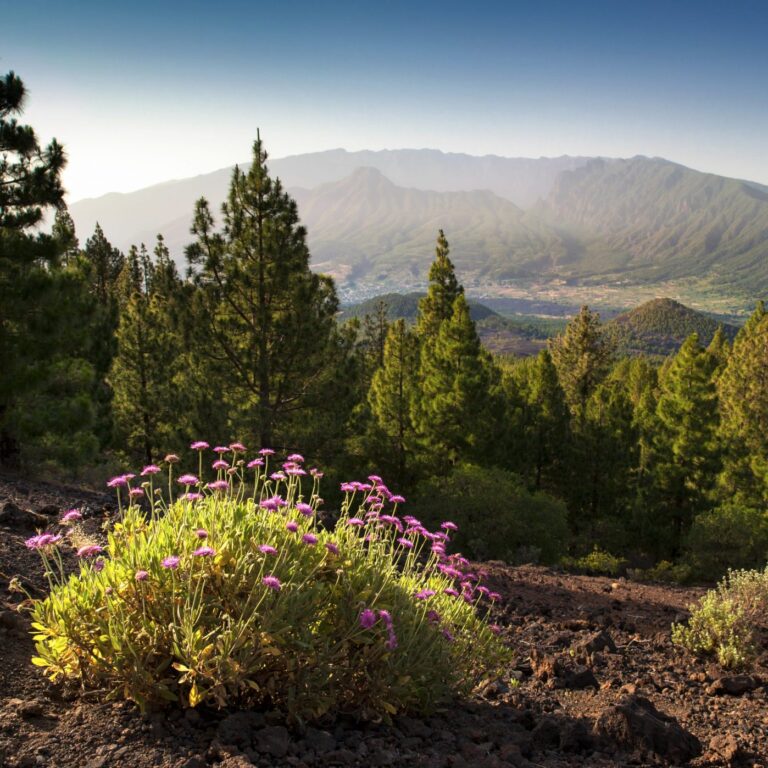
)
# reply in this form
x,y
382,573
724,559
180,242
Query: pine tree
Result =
x,y
437,306
373,340
391,398
686,451
145,371
106,264
458,411
719,349
743,392
538,423
269,320
45,375
582,356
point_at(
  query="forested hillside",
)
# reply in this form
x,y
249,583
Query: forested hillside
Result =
x,y
113,358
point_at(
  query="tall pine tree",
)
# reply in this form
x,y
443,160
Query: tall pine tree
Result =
x,y
268,319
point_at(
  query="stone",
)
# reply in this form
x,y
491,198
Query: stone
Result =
x,y
727,747
635,724
599,641
239,728
272,740
734,685
320,741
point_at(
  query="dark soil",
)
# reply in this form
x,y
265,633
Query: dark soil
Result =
x,y
600,685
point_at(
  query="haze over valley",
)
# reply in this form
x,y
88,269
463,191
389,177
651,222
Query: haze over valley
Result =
x,y
610,231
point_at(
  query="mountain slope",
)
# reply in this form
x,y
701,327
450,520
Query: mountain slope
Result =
x,y
661,326
138,216
366,228
648,219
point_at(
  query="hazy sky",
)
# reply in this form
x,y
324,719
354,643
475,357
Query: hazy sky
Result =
x,y
144,92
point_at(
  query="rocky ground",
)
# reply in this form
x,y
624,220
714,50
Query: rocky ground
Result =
x,y
600,684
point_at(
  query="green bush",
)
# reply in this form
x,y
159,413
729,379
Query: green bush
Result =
x,y
498,517
731,536
597,563
726,619
233,595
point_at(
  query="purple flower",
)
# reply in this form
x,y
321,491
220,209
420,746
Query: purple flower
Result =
x,y
272,582
484,590
204,552
296,457
449,526
192,496
129,475
238,447
494,596
355,521
412,521
391,643
89,550
397,499
188,480
386,617
266,452
255,463
433,616
309,538
199,445
295,472
367,618
273,503
332,548
71,515
292,526
347,487
42,540
220,464
172,458
375,479
150,469
277,476
218,485
267,549
98,565
305,509
447,635
451,591
315,472
405,543
495,628
201,533
141,576
424,594
171,562
136,493
117,481
220,449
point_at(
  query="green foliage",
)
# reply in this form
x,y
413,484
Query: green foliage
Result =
x,y
266,337
729,536
539,428
724,622
744,408
660,326
685,451
437,307
582,356
258,605
454,415
498,517
597,563
148,365
391,398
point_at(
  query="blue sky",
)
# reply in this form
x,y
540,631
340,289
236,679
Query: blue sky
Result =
x,y
144,92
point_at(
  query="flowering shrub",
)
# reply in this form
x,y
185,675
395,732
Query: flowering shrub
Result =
x,y
726,619
231,593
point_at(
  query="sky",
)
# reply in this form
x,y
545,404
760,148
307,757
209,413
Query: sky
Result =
x,y
145,92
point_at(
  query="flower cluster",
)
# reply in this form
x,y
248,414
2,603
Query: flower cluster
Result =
x,y
232,592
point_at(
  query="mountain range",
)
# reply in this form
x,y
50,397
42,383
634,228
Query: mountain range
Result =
x,y
372,219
